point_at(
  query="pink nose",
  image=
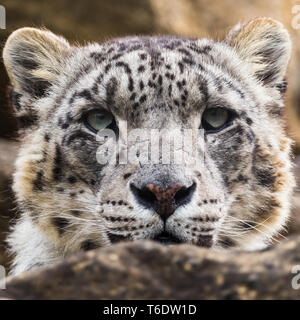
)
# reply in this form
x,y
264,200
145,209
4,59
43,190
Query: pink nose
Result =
x,y
163,200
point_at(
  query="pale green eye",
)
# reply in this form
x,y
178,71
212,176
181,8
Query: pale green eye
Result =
x,y
99,119
215,118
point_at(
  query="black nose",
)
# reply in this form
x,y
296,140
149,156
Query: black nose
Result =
x,y
163,200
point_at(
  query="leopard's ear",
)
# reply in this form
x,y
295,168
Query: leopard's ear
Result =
x,y
265,44
33,59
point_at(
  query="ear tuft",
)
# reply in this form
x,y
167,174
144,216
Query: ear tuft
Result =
x,y
265,44
33,59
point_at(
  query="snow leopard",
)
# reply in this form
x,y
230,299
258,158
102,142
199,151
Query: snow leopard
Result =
x,y
230,92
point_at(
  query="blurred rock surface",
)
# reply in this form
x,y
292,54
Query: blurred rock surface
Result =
x,y
147,270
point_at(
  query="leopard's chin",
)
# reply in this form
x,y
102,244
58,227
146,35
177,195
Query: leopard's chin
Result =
x,y
166,238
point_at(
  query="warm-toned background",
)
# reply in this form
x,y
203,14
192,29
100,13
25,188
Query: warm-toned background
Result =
x,y
97,20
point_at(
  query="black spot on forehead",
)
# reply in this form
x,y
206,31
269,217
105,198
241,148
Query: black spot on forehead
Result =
x,y
125,66
205,49
185,52
143,98
152,47
249,121
98,57
130,84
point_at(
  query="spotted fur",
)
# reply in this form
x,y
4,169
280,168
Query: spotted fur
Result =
x,y
69,202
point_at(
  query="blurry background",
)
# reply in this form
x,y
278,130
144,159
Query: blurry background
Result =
x,y
97,20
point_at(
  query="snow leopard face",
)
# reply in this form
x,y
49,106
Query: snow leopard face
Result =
x,y
229,94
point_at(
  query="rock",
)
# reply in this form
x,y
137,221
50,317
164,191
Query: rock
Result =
x,y
148,270
8,151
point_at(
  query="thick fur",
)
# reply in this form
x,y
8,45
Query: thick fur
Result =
x,y
69,202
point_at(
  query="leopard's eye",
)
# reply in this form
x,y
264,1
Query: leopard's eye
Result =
x,y
215,119
97,120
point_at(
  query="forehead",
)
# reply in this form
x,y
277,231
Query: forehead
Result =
x,y
130,76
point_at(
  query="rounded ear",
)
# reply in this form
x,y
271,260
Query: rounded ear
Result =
x,y
265,44
33,59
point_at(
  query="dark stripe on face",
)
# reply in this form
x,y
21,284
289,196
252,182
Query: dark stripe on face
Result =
x,y
203,87
221,81
77,135
226,242
185,52
125,66
98,57
111,88
86,94
282,87
38,183
247,225
205,241
35,86
26,63
181,67
116,237
57,170
15,99
26,121
200,50
265,177
88,245
60,224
